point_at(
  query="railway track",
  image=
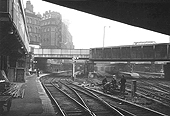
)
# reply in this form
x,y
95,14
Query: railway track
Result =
x,y
119,105
151,100
91,102
164,86
123,106
156,86
69,106
154,92
66,105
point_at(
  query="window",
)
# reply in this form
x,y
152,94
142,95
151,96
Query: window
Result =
x,y
33,21
34,30
52,28
30,20
30,29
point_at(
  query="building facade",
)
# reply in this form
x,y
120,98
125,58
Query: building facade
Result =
x,y
51,30
67,42
48,31
33,24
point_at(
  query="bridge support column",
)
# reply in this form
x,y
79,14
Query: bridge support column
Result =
x,y
152,66
167,71
130,67
41,64
89,67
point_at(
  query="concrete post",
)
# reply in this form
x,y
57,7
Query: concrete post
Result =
x,y
167,71
128,67
133,87
152,66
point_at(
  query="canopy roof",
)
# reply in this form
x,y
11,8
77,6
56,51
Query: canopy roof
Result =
x,y
149,14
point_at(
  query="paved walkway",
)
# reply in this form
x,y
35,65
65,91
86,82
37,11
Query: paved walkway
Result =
x,y
34,103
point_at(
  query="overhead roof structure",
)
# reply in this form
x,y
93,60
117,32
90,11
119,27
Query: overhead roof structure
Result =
x,y
148,14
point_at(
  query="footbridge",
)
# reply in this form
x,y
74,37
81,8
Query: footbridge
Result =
x,y
61,53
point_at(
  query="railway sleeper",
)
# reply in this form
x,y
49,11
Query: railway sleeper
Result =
x,y
101,112
75,113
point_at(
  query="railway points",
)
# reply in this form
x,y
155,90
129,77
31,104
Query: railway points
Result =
x,y
139,100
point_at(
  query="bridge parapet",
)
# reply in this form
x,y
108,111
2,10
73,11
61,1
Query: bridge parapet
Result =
x,y
149,52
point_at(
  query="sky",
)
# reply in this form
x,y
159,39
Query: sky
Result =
x,y
88,30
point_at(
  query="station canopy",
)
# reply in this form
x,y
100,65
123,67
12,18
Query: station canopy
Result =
x,y
148,14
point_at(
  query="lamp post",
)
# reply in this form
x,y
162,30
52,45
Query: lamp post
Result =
x,y
104,34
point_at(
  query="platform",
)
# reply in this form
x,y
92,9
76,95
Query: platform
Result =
x,y
34,103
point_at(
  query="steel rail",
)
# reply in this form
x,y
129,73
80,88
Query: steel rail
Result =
x,y
84,108
158,113
161,114
79,97
54,100
114,110
143,91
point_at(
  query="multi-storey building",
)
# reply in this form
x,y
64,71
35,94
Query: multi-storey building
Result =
x,y
51,30
47,30
33,24
67,42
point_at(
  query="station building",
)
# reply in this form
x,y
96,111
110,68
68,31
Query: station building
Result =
x,y
14,40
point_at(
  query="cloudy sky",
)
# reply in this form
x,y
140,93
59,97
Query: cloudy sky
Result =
x,y
87,30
